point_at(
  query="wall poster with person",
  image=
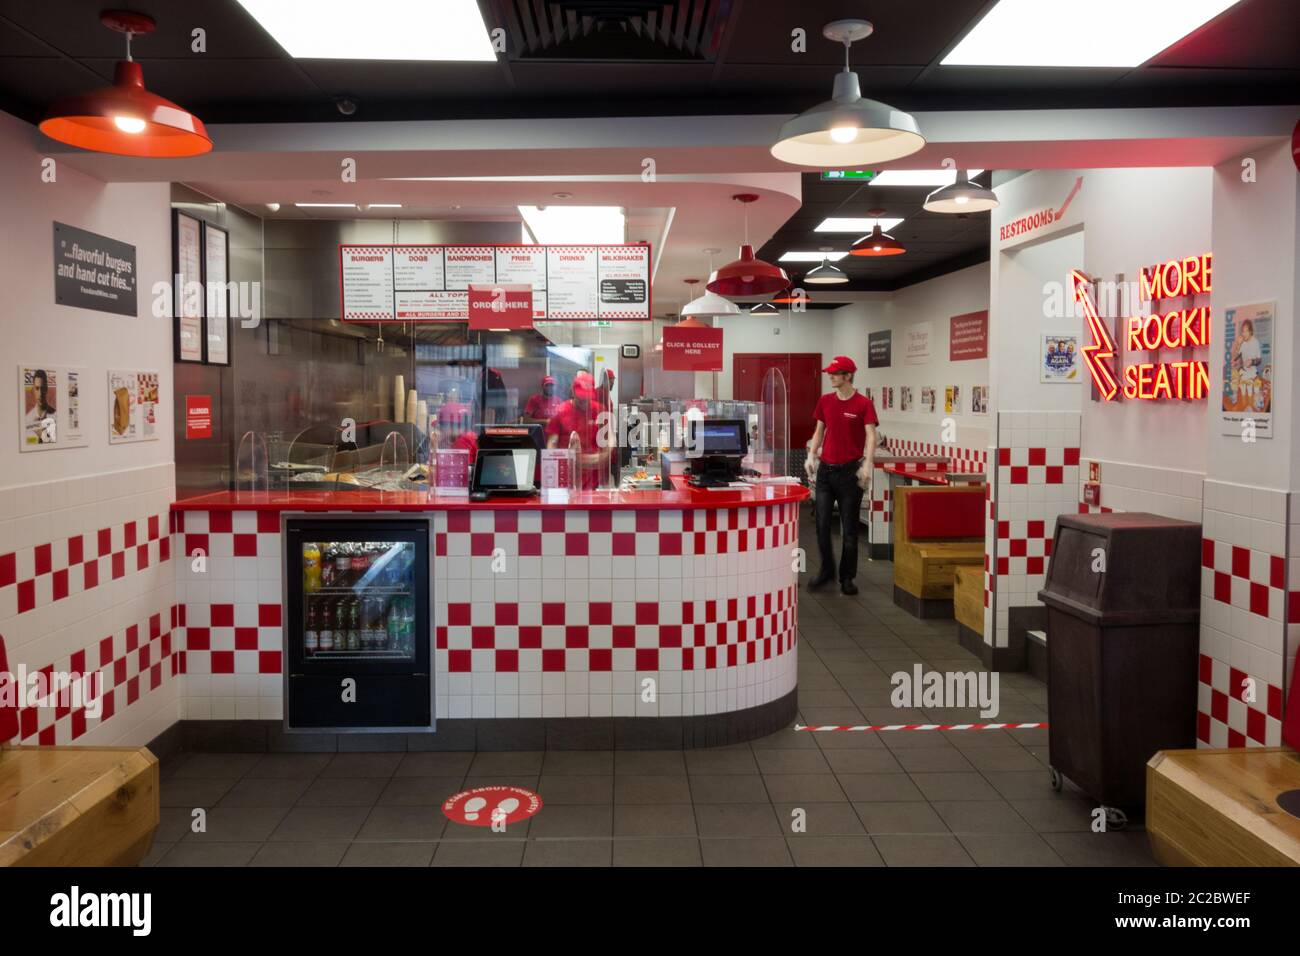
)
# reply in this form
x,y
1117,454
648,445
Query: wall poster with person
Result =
x,y
49,407
1248,369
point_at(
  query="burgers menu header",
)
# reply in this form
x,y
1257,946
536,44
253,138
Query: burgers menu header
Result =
x,y
431,283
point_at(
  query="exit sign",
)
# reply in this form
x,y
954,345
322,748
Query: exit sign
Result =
x,y
859,175
602,324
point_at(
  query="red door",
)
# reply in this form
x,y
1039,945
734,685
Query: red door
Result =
x,y
802,371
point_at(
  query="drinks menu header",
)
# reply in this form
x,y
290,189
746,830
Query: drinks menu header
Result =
x,y
430,283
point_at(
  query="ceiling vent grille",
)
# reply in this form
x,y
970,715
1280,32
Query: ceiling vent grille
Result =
x,y
605,30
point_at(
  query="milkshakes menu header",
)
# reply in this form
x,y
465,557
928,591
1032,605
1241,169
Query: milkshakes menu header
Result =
x,y
431,283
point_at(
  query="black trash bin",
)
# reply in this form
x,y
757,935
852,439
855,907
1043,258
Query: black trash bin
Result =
x,y
1122,647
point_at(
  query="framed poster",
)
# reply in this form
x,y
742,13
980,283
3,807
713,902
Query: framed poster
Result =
x,y
968,336
952,400
979,400
187,273
927,398
905,398
879,349
1248,369
132,406
916,350
216,282
50,407
1058,358
93,271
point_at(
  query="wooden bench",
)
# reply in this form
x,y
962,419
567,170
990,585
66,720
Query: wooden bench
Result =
x,y
77,806
968,597
1219,807
936,530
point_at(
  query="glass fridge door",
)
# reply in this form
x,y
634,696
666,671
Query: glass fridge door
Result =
x,y
360,600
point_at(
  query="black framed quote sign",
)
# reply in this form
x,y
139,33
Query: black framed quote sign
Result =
x,y
216,282
187,273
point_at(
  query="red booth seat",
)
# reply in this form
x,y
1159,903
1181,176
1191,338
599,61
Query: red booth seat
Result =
x,y
958,514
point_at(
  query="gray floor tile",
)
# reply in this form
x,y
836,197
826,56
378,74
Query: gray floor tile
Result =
x,y
343,792
388,854
569,853
194,792
216,766
1009,849
979,739
791,761
527,781
726,788
649,762
1059,813
1102,849
902,817
663,820
448,764
156,853
1003,759
834,851
760,851
288,766
418,791
633,788
954,786
922,850
849,740
804,788
787,738
873,787
265,792
238,825
328,824
1021,784
567,790
737,820
933,760
661,851
299,854
581,762
514,762
819,819
980,816
210,854
914,739
403,824
721,760
501,852
572,821
362,765
873,760
173,824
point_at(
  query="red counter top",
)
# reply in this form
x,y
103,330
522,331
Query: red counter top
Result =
x,y
683,497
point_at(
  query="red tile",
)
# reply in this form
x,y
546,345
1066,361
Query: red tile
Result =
x,y
155,626
670,543
670,635
575,635
220,522
105,540
458,522
1222,587
105,651
1206,669
647,612
165,549
552,522
142,557
1236,683
1036,529
1034,565
268,662
1004,457
1236,738
458,615
1071,456
647,658
245,638
530,638
600,658
600,612
480,544
1275,701
507,614
600,521
552,613
458,662
1277,572
60,584
507,662
575,543
440,545
1019,548
1019,475
153,527
109,705
530,544
196,544
1255,724
144,657
44,559
647,521
132,637
1259,599
26,596
268,522
1004,529
78,723
198,638
440,638
128,535
505,522
76,551
482,638
553,660
46,737
1038,456
624,543
1219,706
27,722
245,545
1240,563
624,635
1203,728
8,569
223,662
1055,475
1293,607
268,615
1207,553
1004,565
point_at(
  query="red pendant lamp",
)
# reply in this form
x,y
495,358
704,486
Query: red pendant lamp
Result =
x,y
877,243
125,118
747,275
788,296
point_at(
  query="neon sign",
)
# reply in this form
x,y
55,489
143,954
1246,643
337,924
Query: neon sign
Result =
x,y
1176,329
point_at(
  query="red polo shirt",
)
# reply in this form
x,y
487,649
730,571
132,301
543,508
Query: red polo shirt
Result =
x,y
846,422
568,419
542,406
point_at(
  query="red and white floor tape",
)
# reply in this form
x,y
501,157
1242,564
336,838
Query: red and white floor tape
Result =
x,y
920,727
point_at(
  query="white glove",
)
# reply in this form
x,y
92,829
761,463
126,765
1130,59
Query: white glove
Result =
x,y
864,475
810,463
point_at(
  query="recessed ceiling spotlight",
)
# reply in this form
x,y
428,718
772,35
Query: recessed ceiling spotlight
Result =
x,y
273,206
561,195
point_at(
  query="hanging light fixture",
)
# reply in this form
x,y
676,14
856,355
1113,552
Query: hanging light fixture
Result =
x,y
788,296
848,130
826,274
764,308
960,197
747,275
125,118
877,243
708,304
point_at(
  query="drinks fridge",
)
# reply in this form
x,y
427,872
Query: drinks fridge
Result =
x,y
357,636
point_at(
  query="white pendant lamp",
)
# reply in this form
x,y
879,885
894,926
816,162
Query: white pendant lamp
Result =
x,y
962,196
848,130
709,304
826,274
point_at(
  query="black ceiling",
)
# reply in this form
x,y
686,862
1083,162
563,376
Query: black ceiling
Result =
x,y
628,57
936,242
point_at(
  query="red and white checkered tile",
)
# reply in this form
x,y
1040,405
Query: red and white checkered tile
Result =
x,y
1245,615
878,506
1036,480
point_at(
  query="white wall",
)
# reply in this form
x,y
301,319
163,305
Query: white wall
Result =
x,y
935,301
790,331
51,498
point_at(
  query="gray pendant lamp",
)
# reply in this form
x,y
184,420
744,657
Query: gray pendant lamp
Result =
x,y
961,197
848,130
826,274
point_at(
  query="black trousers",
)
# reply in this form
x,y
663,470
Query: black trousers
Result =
x,y
838,484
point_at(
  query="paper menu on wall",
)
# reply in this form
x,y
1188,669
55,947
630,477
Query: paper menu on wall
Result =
x,y
622,281
572,273
417,268
469,264
367,282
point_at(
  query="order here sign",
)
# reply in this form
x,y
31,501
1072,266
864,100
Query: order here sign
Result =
x,y
690,349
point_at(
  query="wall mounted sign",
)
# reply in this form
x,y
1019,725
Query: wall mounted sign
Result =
x,y
500,306
430,283
132,406
692,349
216,278
198,417
1248,368
916,350
1147,335
968,336
879,349
50,407
93,271
1058,358
1038,219
187,294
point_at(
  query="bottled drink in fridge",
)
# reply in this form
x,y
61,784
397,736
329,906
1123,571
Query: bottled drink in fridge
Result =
x,y
342,566
311,566
326,629
310,634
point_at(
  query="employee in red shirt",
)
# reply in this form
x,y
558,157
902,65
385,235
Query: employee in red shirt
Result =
x,y
578,417
845,439
542,406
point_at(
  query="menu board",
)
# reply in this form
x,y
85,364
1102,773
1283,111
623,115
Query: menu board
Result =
x,y
215,272
132,406
189,294
430,283
366,273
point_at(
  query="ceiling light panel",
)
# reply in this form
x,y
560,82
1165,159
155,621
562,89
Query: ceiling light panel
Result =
x,y
376,29
1102,33
918,177
794,256
575,225
855,225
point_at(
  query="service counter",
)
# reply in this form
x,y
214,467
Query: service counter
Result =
x,y
647,618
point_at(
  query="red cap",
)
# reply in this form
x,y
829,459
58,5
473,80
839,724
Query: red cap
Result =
x,y
548,379
584,386
841,363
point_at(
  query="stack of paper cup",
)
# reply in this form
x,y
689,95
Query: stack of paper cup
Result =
x,y
411,400
422,416
399,398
